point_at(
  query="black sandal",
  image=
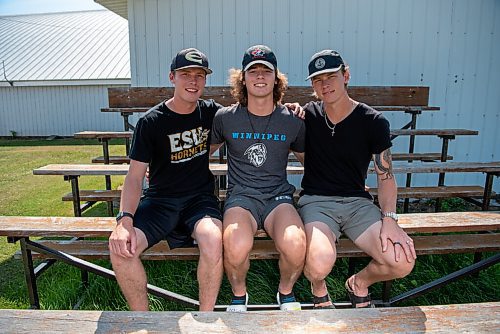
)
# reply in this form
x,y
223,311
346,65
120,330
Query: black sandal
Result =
x,y
356,300
318,300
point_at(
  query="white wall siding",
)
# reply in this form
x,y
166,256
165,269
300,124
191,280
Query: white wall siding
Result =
x,y
61,110
452,46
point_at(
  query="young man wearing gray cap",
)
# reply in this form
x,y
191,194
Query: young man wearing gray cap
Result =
x,y
343,135
259,132
173,138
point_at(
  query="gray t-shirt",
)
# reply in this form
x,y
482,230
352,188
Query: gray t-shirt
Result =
x,y
258,146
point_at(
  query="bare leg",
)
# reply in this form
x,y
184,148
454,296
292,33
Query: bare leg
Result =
x,y
239,229
320,257
131,276
284,225
382,267
208,234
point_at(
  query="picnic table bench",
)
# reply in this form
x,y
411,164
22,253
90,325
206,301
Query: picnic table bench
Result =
x,y
461,318
445,134
412,100
74,252
72,172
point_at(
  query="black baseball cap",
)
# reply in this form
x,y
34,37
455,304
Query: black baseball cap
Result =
x,y
190,58
325,61
259,54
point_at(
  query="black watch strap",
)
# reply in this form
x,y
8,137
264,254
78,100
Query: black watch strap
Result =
x,y
122,214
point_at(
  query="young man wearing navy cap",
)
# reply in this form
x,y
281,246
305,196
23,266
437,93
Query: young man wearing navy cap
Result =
x,y
343,135
173,138
259,132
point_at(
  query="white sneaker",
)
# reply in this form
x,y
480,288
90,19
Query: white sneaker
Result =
x,y
292,306
238,307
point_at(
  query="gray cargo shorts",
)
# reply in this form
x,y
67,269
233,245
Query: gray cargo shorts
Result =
x,y
349,215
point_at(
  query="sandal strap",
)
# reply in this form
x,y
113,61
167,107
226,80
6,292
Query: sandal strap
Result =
x,y
323,299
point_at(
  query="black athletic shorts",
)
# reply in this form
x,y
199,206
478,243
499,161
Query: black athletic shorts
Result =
x,y
173,219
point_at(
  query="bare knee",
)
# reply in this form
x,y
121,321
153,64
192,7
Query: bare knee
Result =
x,y
293,247
236,249
119,262
210,246
400,268
319,265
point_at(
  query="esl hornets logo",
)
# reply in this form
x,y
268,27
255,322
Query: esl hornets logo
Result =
x,y
257,154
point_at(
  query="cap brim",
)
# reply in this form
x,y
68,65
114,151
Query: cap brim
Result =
x,y
328,70
206,69
263,62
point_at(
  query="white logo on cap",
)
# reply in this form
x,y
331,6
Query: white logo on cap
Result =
x,y
194,57
319,63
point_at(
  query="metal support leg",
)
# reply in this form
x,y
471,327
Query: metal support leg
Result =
x,y
105,153
127,127
104,272
444,156
488,185
386,292
75,192
351,266
411,149
476,267
29,274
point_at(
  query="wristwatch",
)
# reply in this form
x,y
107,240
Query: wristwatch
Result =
x,y
122,214
392,215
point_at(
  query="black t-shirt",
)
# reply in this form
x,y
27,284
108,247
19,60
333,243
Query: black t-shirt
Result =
x,y
337,165
177,148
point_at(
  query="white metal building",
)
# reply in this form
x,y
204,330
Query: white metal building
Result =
x,y
452,46
55,70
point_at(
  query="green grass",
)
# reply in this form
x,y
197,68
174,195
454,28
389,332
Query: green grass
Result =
x,y
22,193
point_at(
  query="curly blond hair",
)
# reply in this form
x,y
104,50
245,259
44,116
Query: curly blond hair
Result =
x,y
239,90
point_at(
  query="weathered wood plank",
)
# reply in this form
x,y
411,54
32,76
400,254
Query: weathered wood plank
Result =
x,y
221,169
397,132
433,132
114,159
103,134
265,249
147,97
102,226
470,318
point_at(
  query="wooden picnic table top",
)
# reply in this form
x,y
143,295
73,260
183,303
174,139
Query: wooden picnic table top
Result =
x,y
379,108
103,134
458,318
221,169
433,132
397,132
103,226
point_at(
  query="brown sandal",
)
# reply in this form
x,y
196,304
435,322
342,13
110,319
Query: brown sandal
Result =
x,y
356,300
318,300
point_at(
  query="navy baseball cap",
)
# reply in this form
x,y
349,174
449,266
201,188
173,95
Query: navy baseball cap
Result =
x,y
325,61
259,54
190,58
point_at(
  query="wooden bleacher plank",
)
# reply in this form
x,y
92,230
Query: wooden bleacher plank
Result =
x,y
114,159
459,318
103,134
391,96
221,169
103,226
265,249
95,195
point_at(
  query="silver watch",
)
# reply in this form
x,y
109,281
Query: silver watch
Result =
x,y
392,215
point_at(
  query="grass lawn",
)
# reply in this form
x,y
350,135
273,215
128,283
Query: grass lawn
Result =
x,y
22,193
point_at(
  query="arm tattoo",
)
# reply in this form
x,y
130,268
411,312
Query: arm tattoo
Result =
x,y
383,163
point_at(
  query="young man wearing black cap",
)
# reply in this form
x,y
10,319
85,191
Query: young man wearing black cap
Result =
x,y
173,138
259,132
343,135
